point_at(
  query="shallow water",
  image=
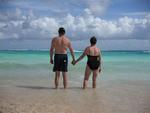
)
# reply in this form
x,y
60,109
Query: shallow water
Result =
x,y
122,65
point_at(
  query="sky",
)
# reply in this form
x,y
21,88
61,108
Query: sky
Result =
x,y
117,24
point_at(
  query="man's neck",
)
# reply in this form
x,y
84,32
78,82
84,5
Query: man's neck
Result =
x,y
61,35
93,45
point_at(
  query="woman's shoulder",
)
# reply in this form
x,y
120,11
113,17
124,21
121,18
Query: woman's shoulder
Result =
x,y
88,47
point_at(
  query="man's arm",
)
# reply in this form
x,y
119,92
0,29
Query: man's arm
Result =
x,y
71,51
51,51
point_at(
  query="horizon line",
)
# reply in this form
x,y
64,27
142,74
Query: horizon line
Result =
x,y
68,51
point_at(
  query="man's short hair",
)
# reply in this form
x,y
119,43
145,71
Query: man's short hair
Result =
x,y
93,40
61,31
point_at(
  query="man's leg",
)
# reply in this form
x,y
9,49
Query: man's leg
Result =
x,y
65,79
57,75
86,76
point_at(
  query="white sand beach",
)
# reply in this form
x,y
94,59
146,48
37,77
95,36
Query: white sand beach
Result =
x,y
108,97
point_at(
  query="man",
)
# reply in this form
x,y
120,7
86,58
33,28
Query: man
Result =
x,y
59,46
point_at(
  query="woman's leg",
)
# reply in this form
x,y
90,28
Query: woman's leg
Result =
x,y
95,73
86,76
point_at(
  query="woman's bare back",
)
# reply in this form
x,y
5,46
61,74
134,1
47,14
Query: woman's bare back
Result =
x,y
92,51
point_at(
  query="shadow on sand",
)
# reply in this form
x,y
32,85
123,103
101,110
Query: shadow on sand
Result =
x,y
43,87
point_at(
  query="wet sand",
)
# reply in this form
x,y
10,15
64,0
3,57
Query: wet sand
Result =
x,y
109,97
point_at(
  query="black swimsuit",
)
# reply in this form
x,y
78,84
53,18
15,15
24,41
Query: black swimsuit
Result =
x,y
93,62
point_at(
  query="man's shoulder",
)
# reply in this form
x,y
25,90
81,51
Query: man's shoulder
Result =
x,y
54,38
66,39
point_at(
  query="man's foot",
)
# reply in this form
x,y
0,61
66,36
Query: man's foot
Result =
x,y
65,87
84,87
94,87
56,87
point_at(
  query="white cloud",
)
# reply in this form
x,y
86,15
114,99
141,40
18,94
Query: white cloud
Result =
x,y
97,7
9,16
19,26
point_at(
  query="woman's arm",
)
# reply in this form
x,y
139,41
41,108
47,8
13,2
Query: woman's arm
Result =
x,y
100,68
81,57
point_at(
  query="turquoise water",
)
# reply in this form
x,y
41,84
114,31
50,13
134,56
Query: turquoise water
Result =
x,y
131,65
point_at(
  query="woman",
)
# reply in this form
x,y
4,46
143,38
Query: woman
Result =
x,y
93,64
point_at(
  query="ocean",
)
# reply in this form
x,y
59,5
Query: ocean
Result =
x,y
34,65
27,84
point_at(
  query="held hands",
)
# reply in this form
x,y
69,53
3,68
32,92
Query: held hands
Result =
x,y
74,62
51,61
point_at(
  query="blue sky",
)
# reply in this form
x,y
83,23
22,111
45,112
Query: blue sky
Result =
x,y
117,24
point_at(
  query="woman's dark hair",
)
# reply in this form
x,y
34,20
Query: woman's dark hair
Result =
x,y
93,40
61,31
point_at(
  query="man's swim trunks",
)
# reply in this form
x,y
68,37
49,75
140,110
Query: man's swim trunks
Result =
x,y
60,62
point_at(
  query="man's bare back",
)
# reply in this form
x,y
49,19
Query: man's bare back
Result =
x,y
61,44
